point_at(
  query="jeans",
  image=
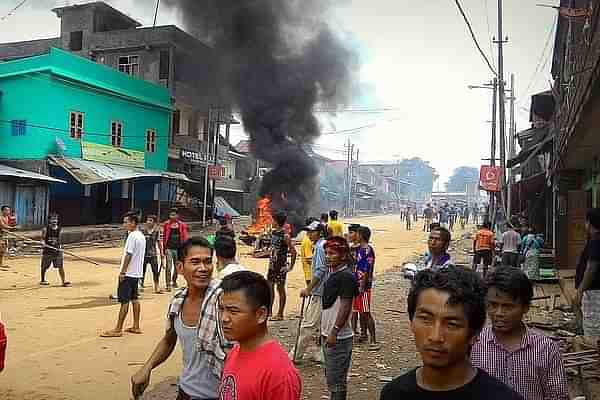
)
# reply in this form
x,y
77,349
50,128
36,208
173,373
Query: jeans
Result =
x,y
337,365
170,268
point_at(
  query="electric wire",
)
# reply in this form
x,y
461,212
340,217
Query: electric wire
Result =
x,y
11,12
543,56
487,19
466,19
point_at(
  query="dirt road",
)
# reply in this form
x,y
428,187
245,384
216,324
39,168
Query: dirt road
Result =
x,y
54,348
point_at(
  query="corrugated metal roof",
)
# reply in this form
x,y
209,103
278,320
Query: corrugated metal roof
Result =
x,y
92,172
5,170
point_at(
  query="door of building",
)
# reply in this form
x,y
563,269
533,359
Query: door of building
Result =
x,y
579,202
31,204
103,204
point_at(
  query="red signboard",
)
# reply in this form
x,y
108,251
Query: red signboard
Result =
x,y
490,178
216,172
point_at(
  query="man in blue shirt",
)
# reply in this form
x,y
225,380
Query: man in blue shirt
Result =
x,y
314,292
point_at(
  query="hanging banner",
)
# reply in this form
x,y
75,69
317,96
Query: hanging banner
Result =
x,y
490,178
575,12
112,155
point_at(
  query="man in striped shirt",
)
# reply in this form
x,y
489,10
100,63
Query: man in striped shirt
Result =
x,y
524,359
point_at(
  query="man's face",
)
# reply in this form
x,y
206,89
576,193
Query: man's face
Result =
x,y
150,223
334,258
435,243
54,222
173,217
441,330
353,236
240,319
197,267
6,211
129,224
505,312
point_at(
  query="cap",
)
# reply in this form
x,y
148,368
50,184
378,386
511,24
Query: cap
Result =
x,y
314,226
353,227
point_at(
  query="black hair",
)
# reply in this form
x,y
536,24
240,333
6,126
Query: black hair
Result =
x,y
333,215
4,208
151,216
225,247
132,217
353,228
280,218
310,220
593,217
513,282
435,225
465,288
444,234
487,225
255,287
197,241
173,211
365,233
325,217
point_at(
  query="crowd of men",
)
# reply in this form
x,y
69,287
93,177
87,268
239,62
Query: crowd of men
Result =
x,y
220,318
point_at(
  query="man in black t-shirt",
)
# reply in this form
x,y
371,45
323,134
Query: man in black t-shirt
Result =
x,y
587,280
447,311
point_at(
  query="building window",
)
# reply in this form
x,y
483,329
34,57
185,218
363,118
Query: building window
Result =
x,y
151,141
117,133
76,123
164,65
130,65
76,41
18,127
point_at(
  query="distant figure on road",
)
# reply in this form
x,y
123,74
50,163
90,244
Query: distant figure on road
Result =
x,y
511,241
484,247
447,311
151,232
175,233
335,227
131,272
444,216
427,217
281,247
409,216
53,257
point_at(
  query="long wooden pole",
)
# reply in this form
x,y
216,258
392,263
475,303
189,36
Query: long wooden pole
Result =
x,y
52,248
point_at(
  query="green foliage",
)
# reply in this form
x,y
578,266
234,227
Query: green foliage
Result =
x,y
461,177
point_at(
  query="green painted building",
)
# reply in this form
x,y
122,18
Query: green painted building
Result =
x,y
102,131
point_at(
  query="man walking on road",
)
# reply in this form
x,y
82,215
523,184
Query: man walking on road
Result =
x,y
524,359
483,247
511,240
257,368
427,217
129,277
152,234
53,257
447,311
192,319
314,291
175,232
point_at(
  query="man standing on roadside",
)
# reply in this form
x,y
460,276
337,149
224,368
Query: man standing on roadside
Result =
x,y
483,247
524,359
129,277
335,227
52,256
511,240
587,280
175,232
193,319
447,311
364,256
257,368
225,250
427,217
314,291
281,247
5,226
152,234
438,243
339,291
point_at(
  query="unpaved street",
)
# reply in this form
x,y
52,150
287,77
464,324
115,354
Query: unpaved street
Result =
x,y
55,352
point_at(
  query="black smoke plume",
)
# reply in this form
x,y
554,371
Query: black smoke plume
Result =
x,y
281,58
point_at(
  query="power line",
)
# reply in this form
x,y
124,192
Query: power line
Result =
x,y
487,19
11,12
487,61
541,59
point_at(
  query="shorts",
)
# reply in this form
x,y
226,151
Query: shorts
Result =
x,y
511,259
483,255
52,260
128,290
362,302
153,261
278,276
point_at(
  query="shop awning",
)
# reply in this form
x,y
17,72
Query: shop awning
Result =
x,y
527,155
92,172
5,170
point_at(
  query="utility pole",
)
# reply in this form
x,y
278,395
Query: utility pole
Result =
x,y
353,182
216,160
501,100
210,126
350,176
511,145
492,206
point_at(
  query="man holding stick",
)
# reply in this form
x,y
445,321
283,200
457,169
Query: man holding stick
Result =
x,y
5,226
52,254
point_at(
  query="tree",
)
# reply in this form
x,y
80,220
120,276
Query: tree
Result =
x,y
461,177
421,174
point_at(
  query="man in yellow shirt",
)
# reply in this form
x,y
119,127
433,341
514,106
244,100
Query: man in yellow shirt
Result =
x,y
336,228
307,247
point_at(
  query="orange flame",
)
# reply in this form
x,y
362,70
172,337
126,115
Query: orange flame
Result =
x,y
264,217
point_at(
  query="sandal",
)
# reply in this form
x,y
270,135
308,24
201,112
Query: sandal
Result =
x,y
111,334
134,331
67,284
44,283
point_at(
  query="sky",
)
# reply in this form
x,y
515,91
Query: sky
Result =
x,y
418,60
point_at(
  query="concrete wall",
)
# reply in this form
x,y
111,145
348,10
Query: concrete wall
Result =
x,y
11,51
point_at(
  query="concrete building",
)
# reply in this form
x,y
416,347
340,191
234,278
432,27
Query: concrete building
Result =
x,y
165,55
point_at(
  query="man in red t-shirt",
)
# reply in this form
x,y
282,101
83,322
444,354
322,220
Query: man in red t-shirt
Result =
x,y
258,368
